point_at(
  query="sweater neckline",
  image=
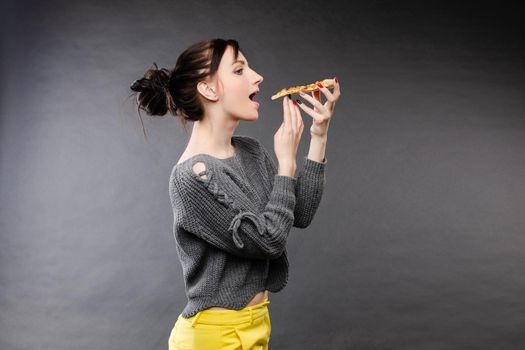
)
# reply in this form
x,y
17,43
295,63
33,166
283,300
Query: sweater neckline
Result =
x,y
235,144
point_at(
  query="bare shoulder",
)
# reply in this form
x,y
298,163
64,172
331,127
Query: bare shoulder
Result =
x,y
188,154
184,157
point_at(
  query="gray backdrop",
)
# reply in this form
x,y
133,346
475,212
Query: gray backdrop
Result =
x,y
419,239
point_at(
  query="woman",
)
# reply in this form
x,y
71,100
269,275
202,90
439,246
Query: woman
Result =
x,y
233,206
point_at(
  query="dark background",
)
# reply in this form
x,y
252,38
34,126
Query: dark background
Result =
x,y
419,239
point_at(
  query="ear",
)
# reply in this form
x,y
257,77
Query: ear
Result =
x,y
207,90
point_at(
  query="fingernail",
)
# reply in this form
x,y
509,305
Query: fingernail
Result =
x,y
295,104
299,101
290,96
335,78
320,85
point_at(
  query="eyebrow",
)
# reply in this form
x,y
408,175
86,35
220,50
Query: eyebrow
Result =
x,y
240,61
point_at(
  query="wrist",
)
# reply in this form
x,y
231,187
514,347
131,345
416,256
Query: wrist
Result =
x,y
318,137
287,169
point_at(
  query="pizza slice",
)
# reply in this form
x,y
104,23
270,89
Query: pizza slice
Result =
x,y
329,83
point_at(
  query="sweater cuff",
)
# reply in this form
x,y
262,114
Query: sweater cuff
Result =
x,y
284,183
284,190
313,168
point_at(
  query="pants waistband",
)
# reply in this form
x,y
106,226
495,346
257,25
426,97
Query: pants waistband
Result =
x,y
216,317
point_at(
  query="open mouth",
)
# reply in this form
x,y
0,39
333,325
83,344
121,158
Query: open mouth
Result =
x,y
252,98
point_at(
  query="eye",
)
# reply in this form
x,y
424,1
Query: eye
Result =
x,y
238,70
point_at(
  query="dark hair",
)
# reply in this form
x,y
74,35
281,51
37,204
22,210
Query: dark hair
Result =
x,y
175,91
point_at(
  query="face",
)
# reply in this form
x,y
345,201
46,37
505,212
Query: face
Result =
x,y
236,81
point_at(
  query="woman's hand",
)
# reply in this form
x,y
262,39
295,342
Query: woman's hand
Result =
x,y
321,113
287,137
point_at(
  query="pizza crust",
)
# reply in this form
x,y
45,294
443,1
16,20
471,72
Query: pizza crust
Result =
x,y
328,83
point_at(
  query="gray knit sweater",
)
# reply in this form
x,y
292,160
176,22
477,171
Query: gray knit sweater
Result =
x,y
231,222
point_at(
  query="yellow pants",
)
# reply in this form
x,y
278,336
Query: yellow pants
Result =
x,y
244,329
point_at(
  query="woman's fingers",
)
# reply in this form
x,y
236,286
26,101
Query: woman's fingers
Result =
x,y
286,113
317,95
337,89
300,123
314,101
293,117
298,117
331,97
310,111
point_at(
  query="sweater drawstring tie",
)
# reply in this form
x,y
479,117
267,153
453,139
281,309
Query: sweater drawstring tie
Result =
x,y
236,222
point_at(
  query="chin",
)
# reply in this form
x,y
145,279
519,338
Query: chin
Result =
x,y
251,116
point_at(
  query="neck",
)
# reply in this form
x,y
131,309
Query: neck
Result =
x,y
213,136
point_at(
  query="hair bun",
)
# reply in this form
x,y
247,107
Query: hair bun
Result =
x,y
136,86
153,90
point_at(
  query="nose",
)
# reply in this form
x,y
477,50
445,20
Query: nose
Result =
x,y
259,78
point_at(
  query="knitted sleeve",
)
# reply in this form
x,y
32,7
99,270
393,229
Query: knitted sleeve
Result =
x,y
217,214
311,181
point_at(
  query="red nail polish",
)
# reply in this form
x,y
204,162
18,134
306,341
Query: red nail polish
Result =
x,y
294,103
335,78
320,85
